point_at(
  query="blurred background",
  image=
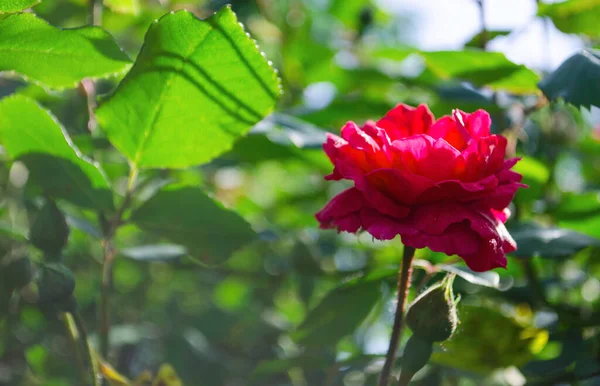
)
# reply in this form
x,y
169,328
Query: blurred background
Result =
x,y
277,312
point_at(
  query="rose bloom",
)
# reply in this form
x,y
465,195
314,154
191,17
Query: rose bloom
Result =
x,y
439,184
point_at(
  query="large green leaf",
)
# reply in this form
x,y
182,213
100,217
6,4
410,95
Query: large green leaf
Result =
x,y
188,217
340,312
7,6
574,16
31,134
482,68
54,57
577,80
196,86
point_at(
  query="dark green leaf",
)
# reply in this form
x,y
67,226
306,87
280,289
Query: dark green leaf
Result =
x,y
31,134
339,313
187,216
159,252
196,86
49,232
574,16
54,57
534,240
577,80
7,6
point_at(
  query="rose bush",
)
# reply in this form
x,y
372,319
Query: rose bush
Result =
x,y
440,184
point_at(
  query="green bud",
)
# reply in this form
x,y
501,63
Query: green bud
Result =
x,y
16,272
432,315
50,231
56,285
416,355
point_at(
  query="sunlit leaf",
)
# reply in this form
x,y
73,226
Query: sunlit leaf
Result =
x,y
7,6
196,86
31,134
123,6
574,16
57,58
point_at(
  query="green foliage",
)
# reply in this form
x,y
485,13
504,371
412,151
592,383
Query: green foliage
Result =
x,y
482,68
57,58
189,217
478,338
32,135
17,5
574,16
549,242
576,80
170,201
335,310
213,85
49,231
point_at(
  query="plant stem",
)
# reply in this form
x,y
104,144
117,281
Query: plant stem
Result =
x,y
403,286
107,267
78,333
484,34
74,337
96,8
534,283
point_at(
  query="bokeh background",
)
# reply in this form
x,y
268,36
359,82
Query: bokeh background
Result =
x,y
290,310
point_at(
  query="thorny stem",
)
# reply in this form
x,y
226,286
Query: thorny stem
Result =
x,y
107,266
403,286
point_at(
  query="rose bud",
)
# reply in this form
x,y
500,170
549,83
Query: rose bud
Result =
x,y
432,315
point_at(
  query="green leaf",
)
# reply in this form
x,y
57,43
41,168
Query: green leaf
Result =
x,y
533,240
49,232
574,16
187,216
54,57
31,134
196,86
344,308
123,6
577,80
477,338
475,41
486,279
482,68
8,6
535,174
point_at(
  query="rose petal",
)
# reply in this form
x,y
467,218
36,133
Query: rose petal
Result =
x,y
404,121
342,211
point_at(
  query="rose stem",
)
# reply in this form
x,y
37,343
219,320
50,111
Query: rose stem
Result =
x,y
403,286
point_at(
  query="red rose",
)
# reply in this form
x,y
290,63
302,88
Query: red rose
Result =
x,y
440,184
